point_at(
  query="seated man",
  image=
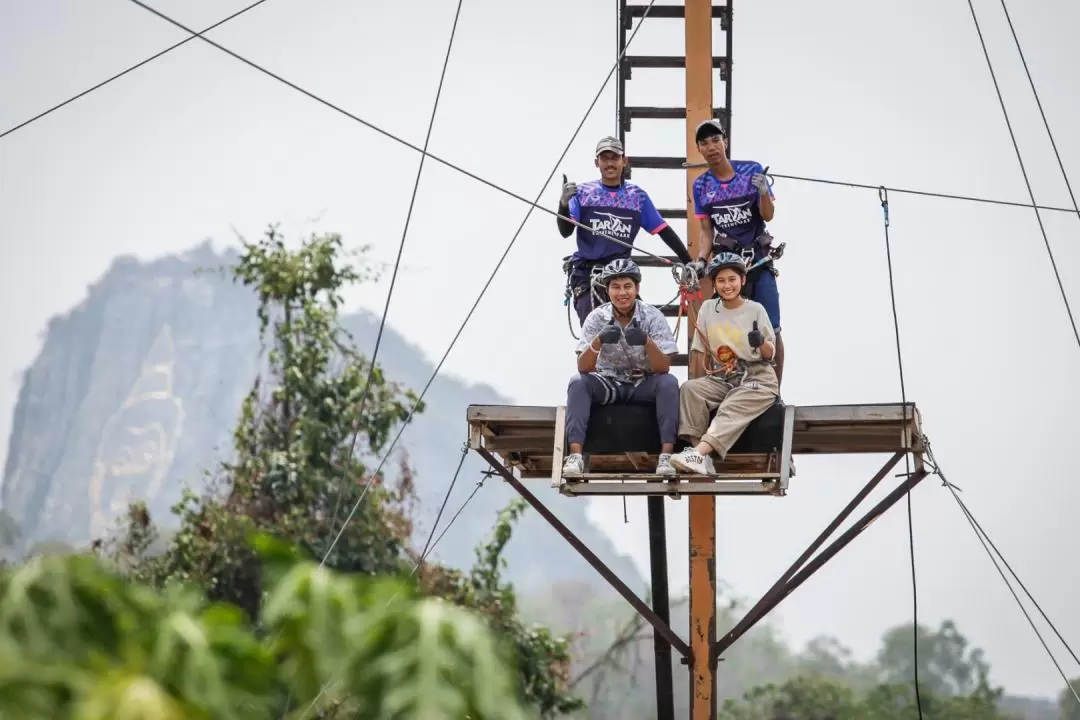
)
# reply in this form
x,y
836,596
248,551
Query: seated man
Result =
x,y
624,356
733,201
733,344
612,207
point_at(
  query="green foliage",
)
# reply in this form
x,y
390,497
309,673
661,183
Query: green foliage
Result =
x,y
78,640
1068,707
301,447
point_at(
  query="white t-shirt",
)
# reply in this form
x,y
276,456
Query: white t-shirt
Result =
x,y
729,352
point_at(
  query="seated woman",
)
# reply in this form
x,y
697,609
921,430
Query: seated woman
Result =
x,y
624,356
734,344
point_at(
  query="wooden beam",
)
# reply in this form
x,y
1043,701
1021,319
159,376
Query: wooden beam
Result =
x,y
699,102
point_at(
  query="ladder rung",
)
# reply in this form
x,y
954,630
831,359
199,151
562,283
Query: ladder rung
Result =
x,y
680,360
663,113
672,213
657,163
669,12
666,61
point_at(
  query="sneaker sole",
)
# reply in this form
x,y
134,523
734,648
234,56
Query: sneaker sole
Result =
x,y
680,465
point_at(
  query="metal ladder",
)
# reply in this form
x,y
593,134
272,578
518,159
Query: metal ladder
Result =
x,y
627,114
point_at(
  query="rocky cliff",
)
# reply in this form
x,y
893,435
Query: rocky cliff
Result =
x,y
136,391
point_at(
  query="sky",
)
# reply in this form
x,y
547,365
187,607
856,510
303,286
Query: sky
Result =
x,y
197,145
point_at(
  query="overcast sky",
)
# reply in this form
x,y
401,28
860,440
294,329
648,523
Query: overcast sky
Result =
x,y
196,143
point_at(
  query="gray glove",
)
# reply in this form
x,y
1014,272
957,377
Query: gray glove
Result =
x,y
569,189
610,334
761,182
698,266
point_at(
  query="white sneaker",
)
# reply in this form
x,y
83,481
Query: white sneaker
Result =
x,y
574,466
691,461
663,466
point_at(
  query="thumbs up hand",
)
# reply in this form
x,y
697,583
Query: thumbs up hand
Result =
x,y
755,337
611,333
569,189
634,334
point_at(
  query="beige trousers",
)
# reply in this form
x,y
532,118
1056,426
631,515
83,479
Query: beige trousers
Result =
x,y
735,407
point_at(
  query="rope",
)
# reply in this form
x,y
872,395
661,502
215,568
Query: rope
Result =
x,y
883,197
1023,171
921,193
1038,102
987,544
136,66
397,260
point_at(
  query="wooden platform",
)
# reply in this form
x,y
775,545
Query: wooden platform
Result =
x,y
530,438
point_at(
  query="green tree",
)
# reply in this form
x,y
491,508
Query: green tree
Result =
x,y
948,665
78,640
300,468
1067,705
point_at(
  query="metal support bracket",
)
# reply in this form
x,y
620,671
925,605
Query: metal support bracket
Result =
x,y
646,612
801,570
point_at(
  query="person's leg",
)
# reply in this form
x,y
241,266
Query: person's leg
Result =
x,y
582,393
663,391
766,292
739,408
583,306
697,398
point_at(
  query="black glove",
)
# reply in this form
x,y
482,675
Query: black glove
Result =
x,y
755,337
634,334
610,334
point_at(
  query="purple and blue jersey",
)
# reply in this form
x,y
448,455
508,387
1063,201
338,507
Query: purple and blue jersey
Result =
x,y
733,206
617,213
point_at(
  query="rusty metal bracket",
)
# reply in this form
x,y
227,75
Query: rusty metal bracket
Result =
x,y
797,574
644,610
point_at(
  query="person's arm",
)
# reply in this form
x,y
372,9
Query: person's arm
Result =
x,y
768,348
765,197
655,224
569,209
660,346
704,223
586,361
673,241
588,348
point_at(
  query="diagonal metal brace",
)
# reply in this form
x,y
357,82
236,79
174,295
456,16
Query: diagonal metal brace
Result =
x,y
797,574
644,610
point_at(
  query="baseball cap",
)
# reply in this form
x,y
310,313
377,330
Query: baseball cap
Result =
x,y
706,129
609,143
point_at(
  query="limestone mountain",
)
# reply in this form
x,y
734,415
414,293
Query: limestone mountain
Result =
x,y
136,391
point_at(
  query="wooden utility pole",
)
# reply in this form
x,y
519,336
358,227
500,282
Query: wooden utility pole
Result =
x,y
699,107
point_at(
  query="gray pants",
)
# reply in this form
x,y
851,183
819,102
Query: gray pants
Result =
x,y
588,389
735,407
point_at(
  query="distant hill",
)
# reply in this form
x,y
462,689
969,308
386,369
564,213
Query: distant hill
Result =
x,y
137,390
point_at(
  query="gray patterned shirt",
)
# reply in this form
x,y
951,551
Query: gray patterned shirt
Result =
x,y
620,361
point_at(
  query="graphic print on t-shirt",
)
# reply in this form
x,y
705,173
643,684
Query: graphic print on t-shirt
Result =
x,y
723,339
616,213
733,205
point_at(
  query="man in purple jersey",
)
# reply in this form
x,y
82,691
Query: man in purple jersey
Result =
x,y
613,207
733,201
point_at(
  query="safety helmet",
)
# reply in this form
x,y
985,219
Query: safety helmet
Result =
x,y
621,267
726,260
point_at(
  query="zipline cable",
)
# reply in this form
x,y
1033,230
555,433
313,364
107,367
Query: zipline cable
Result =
x,y
136,66
1023,171
487,284
397,261
1042,113
987,544
883,197
534,204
